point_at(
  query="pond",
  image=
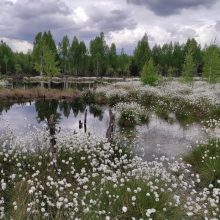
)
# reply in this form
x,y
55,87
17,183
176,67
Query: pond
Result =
x,y
158,137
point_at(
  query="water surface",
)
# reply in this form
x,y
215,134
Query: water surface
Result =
x,y
158,137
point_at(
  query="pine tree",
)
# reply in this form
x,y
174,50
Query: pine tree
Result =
x,y
189,67
142,52
64,54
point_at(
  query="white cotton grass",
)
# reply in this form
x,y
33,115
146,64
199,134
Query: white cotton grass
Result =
x,y
88,175
194,93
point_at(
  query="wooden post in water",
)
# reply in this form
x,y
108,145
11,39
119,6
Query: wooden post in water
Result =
x,y
80,124
85,117
111,125
85,121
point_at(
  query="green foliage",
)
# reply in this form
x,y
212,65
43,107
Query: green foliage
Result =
x,y
211,59
6,58
205,160
189,67
64,55
99,51
74,58
133,68
195,48
78,57
18,68
50,67
149,73
113,62
142,52
44,54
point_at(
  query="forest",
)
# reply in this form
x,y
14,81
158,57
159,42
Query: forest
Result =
x,y
73,58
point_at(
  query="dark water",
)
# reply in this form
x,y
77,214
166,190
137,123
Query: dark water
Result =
x,y
157,137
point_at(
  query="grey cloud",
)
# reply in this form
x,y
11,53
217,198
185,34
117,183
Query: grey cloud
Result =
x,y
27,9
112,21
169,7
217,25
23,19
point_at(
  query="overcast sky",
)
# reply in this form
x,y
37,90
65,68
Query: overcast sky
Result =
x,y
123,21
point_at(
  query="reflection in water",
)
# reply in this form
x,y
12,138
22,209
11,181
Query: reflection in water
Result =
x,y
158,137
46,108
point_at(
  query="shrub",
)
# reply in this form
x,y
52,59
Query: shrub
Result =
x,y
127,119
149,73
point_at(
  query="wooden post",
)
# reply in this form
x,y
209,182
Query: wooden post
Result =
x,y
111,125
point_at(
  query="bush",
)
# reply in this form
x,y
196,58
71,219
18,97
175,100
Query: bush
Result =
x,y
127,119
149,73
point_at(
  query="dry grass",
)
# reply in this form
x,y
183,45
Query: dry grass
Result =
x,y
36,93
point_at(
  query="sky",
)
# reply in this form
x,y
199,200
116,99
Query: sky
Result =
x,y
123,21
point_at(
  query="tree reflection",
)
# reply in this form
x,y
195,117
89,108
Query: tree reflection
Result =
x,y
65,107
78,105
96,111
47,111
47,108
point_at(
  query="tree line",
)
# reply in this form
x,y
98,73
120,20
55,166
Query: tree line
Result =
x,y
72,57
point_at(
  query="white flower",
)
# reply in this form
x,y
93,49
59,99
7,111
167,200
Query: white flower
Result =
x,y
124,209
150,211
3,186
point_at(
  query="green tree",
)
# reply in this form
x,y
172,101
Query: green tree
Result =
x,y
178,58
149,73
112,59
142,52
211,59
133,68
50,42
74,55
64,54
50,64
123,63
24,61
196,53
44,54
189,67
18,68
6,58
99,51
82,57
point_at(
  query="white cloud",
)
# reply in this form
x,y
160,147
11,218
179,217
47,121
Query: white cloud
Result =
x,y
206,34
18,45
126,36
80,15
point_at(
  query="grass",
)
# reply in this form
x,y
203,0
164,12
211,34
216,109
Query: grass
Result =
x,y
79,185
36,93
185,111
205,160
